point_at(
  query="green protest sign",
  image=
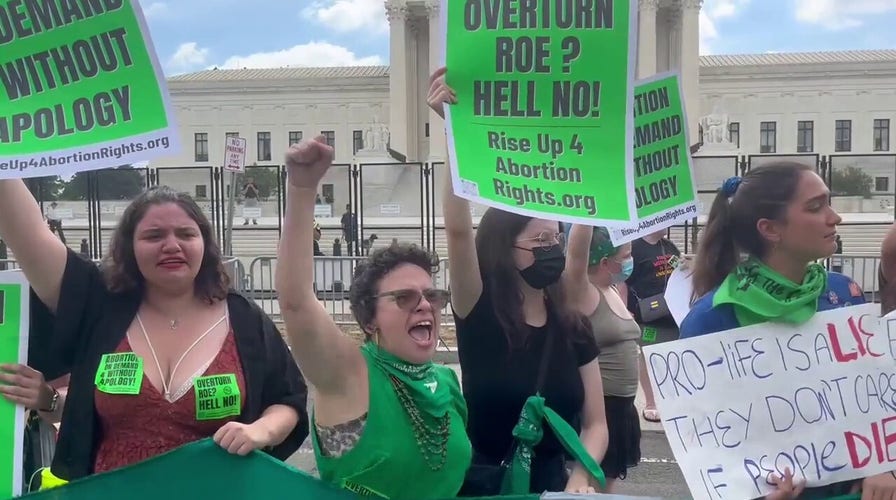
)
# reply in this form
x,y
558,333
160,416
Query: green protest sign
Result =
x,y
81,88
543,122
665,193
13,349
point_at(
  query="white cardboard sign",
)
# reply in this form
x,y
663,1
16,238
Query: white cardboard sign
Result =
x,y
741,405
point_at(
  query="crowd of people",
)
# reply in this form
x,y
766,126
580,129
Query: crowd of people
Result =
x,y
550,319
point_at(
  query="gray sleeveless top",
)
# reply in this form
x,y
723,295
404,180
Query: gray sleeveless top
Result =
x,y
618,342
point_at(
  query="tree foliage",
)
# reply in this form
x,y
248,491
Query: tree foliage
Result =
x,y
851,181
119,183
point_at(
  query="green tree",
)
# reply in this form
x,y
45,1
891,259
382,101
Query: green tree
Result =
x,y
45,188
851,181
119,183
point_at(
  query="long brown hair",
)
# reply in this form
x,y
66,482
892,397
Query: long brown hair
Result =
x,y
763,193
120,268
495,241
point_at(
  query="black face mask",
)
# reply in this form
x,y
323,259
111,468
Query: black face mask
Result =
x,y
547,269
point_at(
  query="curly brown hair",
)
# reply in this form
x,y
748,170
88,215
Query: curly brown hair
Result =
x,y
368,274
120,270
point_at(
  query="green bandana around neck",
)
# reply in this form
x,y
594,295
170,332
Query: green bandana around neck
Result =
x,y
759,294
528,433
421,381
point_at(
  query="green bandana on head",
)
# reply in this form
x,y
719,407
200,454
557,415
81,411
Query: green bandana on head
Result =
x,y
761,295
429,396
601,246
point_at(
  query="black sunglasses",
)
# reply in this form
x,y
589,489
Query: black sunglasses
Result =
x,y
408,299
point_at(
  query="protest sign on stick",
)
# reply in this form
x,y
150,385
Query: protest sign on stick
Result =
x,y
13,349
665,192
742,405
81,88
543,122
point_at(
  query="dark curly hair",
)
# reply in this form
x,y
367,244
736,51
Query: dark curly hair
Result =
x,y
368,274
120,270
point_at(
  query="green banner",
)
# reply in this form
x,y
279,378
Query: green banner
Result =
x,y
81,88
204,470
665,192
543,122
13,349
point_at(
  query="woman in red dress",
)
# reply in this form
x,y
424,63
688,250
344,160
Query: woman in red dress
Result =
x,y
160,350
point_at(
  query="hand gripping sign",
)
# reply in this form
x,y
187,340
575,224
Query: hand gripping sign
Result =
x,y
742,405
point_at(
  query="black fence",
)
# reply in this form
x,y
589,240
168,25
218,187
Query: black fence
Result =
x,y
368,200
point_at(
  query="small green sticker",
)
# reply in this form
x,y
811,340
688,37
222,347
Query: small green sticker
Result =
x,y
217,396
120,373
649,334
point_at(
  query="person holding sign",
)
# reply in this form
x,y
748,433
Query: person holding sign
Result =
x,y
780,216
160,350
25,386
654,257
387,421
887,272
594,271
527,355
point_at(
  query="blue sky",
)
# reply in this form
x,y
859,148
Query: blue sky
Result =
x,y
196,34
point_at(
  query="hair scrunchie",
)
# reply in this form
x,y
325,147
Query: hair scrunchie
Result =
x,y
729,187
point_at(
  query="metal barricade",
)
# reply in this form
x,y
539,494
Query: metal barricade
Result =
x,y
332,282
237,273
333,279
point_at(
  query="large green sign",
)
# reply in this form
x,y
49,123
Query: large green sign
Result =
x,y
80,88
543,123
13,349
665,193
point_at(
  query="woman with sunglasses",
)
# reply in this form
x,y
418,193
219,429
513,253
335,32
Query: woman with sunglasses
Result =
x,y
387,421
518,335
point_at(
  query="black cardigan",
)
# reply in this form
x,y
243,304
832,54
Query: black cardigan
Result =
x,y
91,321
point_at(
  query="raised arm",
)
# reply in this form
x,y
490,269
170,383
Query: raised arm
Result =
x,y
463,269
39,253
575,275
329,359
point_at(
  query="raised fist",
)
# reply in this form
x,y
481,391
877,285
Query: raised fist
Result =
x,y
308,161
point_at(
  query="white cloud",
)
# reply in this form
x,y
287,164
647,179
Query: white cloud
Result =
x,y
712,12
309,54
348,15
187,57
840,14
155,10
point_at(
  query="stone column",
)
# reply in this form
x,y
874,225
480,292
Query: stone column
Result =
x,y
647,37
397,13
674,38
436,42
690,63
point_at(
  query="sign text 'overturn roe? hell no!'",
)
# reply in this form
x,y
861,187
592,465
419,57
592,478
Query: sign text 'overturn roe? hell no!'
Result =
x,y
543,122
741,405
